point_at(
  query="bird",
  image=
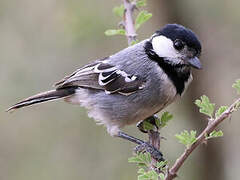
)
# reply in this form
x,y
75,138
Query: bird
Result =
x,y
133,84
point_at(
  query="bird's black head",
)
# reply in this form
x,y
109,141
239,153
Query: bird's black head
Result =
x,y
175,44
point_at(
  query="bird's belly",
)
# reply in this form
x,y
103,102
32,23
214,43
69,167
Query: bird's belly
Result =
x,y
116,110
149,105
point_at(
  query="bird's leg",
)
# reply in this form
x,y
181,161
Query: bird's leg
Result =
x,y
144,145
150,126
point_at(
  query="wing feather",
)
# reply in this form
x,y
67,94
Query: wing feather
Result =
x,y
103,76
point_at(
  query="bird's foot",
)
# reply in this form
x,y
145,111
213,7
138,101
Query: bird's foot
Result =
x,y
146,147
148,124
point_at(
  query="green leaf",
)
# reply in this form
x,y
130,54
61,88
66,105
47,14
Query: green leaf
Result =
x,y
134,159
236,85
134,42
112,32
119,10
142,165
220,111
147,126
142,17
205,106
160,165
141,158
187,138
146,157
150,175
143,177
214,134
141,171
166,116
141,3
153,175
161,175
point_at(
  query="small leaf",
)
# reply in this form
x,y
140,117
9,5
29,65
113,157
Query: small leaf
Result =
x,y
160,165
187,138
142,159
215,134
141,3
146,157
141,171
161,175
236,85
166,116
149,175
143,177
153,175
220,111
142,165
142,17
112,32
134,42
147,126
205,106
119,10
135,160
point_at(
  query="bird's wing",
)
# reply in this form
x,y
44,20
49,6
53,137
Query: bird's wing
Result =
x,y
103,76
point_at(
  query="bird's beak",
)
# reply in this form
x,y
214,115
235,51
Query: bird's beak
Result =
x,y
194,62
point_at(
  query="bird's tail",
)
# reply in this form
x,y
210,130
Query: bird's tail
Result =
x,y
44,96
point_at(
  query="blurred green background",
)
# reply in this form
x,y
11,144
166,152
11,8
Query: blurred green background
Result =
x,y
42,41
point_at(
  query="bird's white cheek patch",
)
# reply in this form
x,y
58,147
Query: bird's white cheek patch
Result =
x,y
163,47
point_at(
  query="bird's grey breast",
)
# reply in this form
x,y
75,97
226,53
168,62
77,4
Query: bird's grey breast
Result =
x,y
158,90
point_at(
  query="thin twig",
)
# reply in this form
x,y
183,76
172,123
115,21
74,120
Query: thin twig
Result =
x,y
128,21
154,140
172,173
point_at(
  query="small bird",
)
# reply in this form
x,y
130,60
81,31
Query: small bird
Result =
x,y
131,85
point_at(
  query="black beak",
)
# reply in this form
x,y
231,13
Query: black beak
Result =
x,y
194,62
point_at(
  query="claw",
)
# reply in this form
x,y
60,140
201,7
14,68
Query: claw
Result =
x,y
139,149
143,146
146,147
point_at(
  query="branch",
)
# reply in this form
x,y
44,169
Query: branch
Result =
x,y
212,124
128,21
154,140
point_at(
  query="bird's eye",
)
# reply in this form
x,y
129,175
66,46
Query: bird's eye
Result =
x,y
178,44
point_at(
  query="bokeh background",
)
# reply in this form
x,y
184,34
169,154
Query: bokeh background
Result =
x,y
42,41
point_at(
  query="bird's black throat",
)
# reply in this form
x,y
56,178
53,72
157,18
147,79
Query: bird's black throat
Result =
x,y
175,72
